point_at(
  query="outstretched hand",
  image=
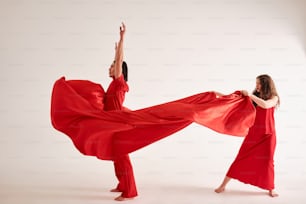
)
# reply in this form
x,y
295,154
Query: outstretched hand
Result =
x,y
122,32
122,29
244,92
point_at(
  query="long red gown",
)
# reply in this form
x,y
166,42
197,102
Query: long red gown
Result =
x,y
254,163
77,111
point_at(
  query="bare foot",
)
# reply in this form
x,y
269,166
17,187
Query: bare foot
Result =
x,y
115,190
120,198
220,189
273,193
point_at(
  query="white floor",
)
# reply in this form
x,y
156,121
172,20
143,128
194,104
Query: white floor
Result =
x,y
184,168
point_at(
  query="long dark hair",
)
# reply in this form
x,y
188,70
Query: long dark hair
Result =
x,y
125,70
268,89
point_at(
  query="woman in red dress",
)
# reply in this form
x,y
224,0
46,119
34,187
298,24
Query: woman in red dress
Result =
x,y
98,124
113,100
254,163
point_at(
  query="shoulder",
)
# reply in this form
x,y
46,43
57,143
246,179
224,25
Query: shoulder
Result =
x,y
120,83
119,80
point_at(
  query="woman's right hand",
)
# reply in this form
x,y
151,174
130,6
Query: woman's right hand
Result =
x,y
245,93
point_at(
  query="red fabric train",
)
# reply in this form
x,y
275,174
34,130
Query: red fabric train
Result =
x,y
77,111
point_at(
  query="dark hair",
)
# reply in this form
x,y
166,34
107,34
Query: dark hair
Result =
x,y
125,70
268,89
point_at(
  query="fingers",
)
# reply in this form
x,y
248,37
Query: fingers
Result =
x,y
122,27
244,92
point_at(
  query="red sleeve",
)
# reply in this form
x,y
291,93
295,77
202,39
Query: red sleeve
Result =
x,y
121,84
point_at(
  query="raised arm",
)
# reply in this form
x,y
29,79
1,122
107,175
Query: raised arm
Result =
x,y
119,53
260,102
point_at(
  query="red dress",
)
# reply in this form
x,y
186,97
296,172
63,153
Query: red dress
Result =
x,y
113,100
254,163
76,110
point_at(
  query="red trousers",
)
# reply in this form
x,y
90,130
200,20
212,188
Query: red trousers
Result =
x,y
125,176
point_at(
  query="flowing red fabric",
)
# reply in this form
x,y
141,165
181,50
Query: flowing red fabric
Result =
x,y
77,111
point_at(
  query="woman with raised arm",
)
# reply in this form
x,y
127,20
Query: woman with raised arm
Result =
x,y
113,100
99,125
254,163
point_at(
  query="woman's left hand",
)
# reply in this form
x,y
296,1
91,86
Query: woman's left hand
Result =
x,y
122,30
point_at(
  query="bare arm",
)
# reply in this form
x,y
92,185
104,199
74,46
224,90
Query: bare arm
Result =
x,y
119,53
260,102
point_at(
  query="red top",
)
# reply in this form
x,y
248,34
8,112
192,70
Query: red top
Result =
x,y
115,94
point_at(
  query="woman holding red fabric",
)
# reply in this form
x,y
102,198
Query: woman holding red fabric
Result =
x,y
254,163
113,100
99,125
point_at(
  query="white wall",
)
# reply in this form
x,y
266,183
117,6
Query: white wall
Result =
x,y
174,49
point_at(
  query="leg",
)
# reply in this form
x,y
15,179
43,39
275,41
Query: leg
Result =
x,y
126,185
221,188
115,190
118,175
272,193
120,198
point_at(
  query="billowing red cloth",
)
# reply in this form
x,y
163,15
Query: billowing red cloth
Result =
x,y
254,163
109,134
